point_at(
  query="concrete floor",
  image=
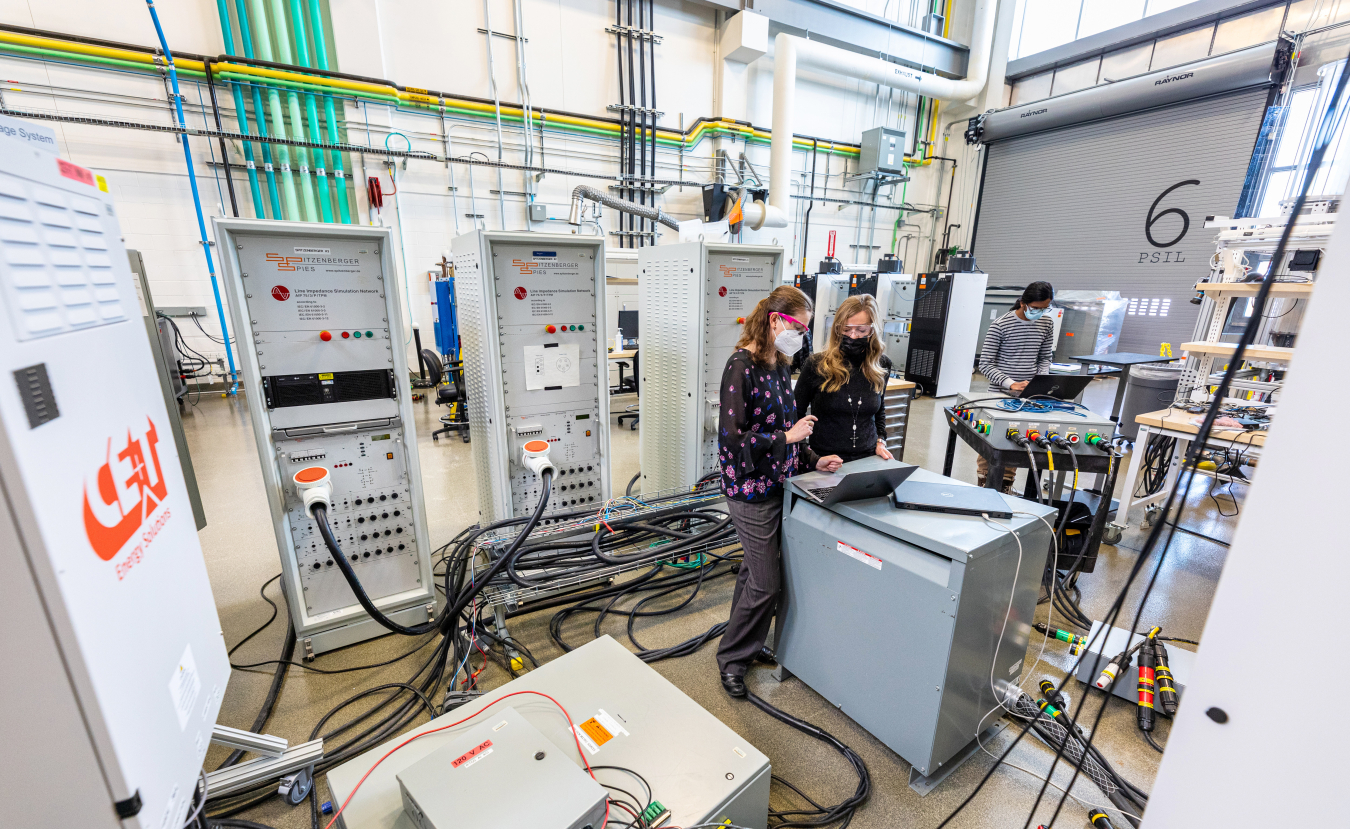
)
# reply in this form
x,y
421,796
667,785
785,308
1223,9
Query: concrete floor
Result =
x,y
241,555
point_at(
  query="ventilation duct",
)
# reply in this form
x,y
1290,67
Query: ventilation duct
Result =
x,y
1257,66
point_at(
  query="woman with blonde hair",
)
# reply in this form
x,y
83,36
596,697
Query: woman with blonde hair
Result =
x,y
760,444
843,385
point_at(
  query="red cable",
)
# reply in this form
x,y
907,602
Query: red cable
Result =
x,y
387,754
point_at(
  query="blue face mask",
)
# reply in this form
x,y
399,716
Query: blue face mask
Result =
x,y
1034,314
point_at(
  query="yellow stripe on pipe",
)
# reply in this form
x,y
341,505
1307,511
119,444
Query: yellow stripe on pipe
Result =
x,y
87,49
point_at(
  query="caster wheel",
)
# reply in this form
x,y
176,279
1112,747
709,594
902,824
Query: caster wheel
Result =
x,y
1112,534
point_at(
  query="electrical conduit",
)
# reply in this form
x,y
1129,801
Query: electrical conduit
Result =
x,y
241,115
791,52
196,197
305,186
246,39
329,115
263,44
321,168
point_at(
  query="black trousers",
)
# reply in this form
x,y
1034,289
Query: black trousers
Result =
x,y
759,525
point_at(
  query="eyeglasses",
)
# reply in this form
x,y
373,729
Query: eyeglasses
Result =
x,y
801,326
857,330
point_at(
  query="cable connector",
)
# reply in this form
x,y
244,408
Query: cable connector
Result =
x,y
1108,673
1099,819
534,455
315,488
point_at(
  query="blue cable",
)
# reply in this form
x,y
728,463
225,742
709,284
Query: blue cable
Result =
x,y
196,197
1041,406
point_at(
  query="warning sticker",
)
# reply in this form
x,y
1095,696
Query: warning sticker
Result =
x,y
483,749
598,730
853,552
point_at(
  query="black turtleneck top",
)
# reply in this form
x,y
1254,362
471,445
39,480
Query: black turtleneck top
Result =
x,y
850,420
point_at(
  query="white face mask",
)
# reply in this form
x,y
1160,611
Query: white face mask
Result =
x,y
789,341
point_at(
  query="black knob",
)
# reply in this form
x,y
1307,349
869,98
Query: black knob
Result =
x,y
354,558
383,497
357,501
396,513
328,563
361,520
384,515
367,555
386,532
400,547
394,495
397,530
364,536
539,755
317,565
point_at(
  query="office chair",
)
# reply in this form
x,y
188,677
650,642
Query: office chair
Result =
x,y
453,394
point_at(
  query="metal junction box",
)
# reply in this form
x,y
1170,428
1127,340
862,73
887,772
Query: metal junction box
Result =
x,y
532,318
988,408
322,358
469,780
914,602
626,714
695,298
883,151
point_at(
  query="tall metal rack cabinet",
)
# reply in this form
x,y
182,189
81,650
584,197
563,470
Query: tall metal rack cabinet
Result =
x,y
695,298
326,375
532,320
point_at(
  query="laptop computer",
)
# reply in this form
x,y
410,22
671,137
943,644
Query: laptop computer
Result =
x,y
855,486
954,498
1058,386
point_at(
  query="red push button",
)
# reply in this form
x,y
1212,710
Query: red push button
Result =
x,y
325,336
550,329
346,334
740,320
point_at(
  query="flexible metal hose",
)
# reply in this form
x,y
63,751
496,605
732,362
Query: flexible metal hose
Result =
x,y
582,192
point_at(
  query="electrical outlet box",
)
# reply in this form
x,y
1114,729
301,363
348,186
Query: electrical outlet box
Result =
x,y
181,310
538,212
883,151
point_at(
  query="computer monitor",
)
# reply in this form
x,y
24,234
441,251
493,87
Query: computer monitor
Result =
x,y
628,324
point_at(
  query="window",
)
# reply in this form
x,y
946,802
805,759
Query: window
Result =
x,y
1302,116
1150,307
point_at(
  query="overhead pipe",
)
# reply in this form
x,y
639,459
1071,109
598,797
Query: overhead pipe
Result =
x,y
196,197
241,115
329,113
497,106
321,168
263,44
581,192
792,53
246,40
293,104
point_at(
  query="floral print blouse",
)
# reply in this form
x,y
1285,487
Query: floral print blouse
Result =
x,y
757,409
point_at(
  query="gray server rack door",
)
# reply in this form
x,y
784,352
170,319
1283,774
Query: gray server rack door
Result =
x,y
1120,205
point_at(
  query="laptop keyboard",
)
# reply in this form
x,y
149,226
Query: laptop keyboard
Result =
x,y
823,493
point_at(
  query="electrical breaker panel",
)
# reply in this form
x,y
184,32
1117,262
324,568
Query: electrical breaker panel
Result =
x,y
895,298
317,315
695,299
114,662
531,317
831,291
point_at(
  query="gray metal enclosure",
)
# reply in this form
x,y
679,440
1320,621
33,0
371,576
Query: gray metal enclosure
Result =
x,y
913,603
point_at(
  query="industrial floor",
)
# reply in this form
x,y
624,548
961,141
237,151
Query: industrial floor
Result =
x,y
241,555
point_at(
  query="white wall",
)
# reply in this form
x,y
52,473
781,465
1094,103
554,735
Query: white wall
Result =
x,y
571,66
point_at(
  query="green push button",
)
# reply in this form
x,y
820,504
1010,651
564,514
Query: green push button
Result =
x,y
356,334
368,334
581,328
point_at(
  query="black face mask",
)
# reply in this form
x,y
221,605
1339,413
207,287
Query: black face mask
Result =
x,y
855,349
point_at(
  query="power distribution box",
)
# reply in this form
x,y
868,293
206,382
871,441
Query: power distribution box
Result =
x,y
623,713
883,151
454,785
317,313
998,412
695,299
1102,648
114,662
531,317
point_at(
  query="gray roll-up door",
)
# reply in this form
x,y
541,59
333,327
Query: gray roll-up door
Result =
x,y
1073,206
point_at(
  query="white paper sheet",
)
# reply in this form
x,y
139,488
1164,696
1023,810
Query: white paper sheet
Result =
x,y
559,366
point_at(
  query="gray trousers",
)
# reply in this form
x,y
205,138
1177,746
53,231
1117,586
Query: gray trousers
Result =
x,y
759,525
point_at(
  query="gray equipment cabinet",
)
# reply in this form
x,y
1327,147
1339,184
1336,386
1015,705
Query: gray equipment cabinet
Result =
x,y
914,604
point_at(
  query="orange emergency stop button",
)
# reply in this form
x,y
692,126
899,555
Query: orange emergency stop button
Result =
x,y
325,336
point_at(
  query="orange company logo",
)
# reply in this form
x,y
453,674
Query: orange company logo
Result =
x,y
728,271
284,263
130,491
525,267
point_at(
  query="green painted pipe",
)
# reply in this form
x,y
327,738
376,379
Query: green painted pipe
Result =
x,y
329,115
321,156
246,38
241,116
306,187
263,45
55,54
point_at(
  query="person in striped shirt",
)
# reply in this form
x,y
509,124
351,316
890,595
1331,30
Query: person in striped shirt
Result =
x,y
1018,346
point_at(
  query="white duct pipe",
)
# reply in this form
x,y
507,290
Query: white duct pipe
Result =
x,y
790,53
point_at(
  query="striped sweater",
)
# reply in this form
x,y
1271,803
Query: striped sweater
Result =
x,y
1016,349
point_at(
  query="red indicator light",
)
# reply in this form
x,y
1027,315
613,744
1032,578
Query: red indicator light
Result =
x,y
345,334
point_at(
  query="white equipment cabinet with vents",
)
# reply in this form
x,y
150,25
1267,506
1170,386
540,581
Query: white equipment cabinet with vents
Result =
x,y
532,326
323,362
114,663
831,291
695,299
